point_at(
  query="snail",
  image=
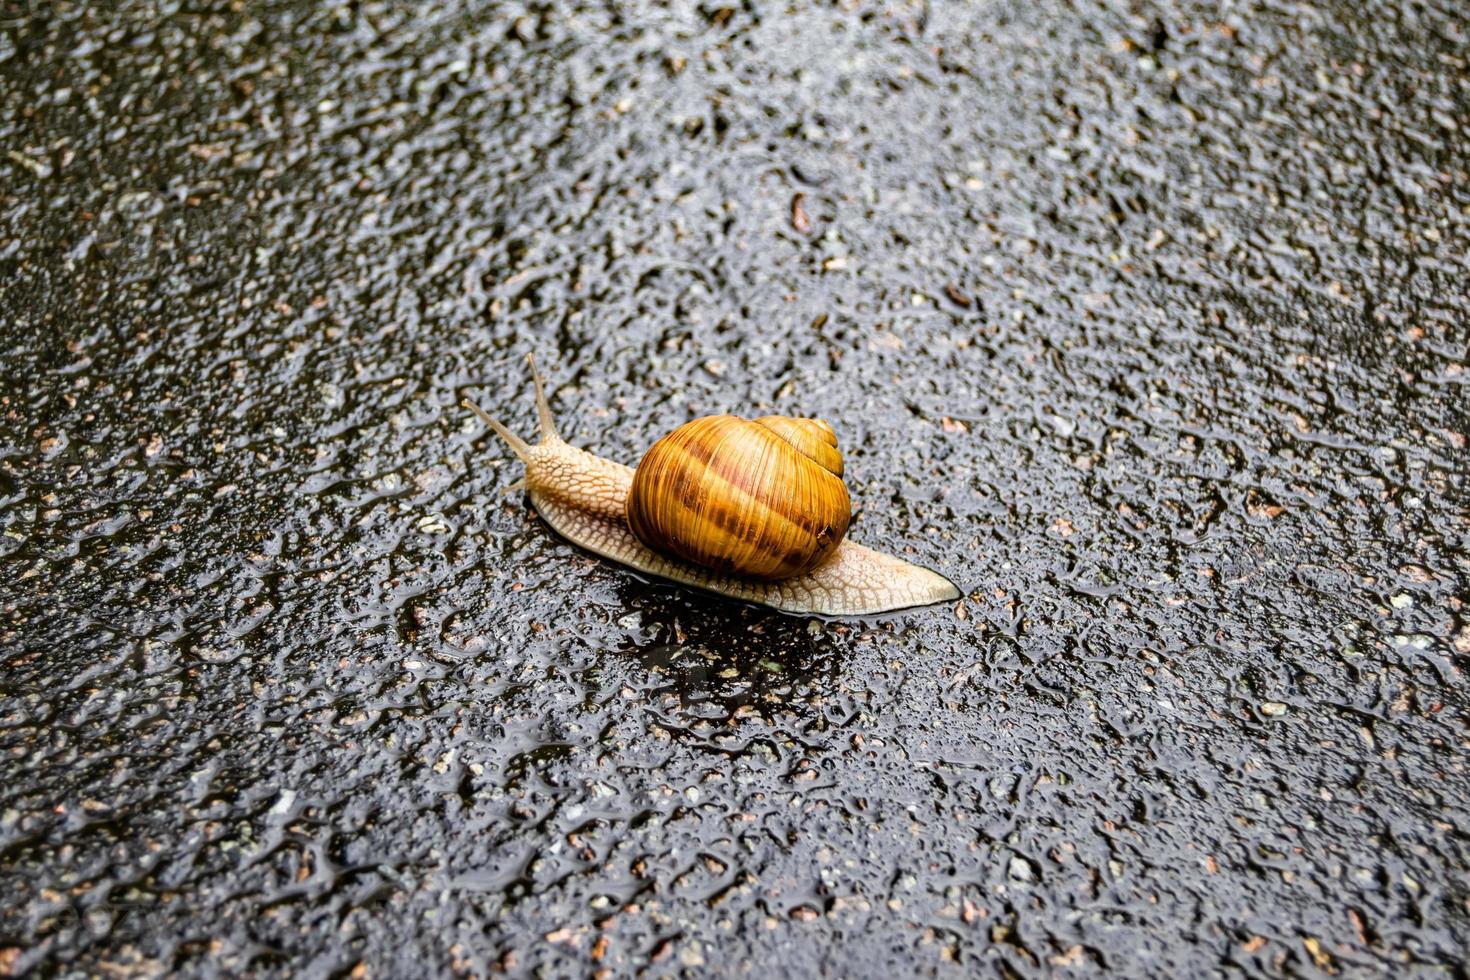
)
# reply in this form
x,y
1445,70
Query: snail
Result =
x,y
754,510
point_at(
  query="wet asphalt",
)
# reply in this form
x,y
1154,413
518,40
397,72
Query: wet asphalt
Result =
x,y
1146,323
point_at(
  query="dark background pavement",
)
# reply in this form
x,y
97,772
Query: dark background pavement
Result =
x,y
1147,323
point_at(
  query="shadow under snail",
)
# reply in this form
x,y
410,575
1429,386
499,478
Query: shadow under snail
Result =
x,y
755,510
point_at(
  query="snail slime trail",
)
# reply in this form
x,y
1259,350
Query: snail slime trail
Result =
x,y
754,510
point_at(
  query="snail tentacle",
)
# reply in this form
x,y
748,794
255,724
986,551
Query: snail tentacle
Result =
x,y
520,446
544,417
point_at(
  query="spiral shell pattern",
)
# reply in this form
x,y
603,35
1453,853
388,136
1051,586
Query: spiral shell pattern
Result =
x,y
761,498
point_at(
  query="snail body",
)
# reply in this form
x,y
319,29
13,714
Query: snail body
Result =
x,y
754,510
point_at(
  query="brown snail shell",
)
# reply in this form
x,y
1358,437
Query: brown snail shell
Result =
x,y
759,498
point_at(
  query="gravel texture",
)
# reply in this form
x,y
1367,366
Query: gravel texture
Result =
x,y
1146,323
